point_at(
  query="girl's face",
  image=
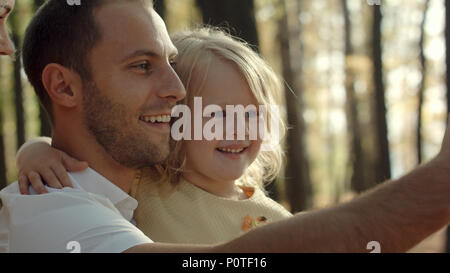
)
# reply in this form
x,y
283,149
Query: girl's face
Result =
x,y
212,161
6,46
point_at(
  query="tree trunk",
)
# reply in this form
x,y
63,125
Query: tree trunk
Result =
x,y
160,7
237,15
422,84
383,169
17,84
447,61
356,156
297,178
38,3
3,179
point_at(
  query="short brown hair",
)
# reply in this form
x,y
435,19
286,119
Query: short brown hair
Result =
x,y
63,34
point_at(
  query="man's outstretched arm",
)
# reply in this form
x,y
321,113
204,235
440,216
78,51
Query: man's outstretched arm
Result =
x,y
398,214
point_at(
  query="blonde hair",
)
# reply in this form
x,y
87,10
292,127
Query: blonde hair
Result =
x,y
196,49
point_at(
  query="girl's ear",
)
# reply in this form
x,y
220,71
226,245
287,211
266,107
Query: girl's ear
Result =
x,y
62,85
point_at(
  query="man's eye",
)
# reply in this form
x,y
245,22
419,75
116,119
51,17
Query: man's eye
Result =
x,y
143,66
173,64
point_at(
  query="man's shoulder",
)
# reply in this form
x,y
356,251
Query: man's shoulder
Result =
x,y
55,198
11,188
47,222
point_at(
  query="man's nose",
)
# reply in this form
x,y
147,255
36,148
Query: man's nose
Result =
x,y
171,87
6,45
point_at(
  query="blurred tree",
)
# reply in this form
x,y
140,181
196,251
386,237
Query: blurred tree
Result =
x,y
447,61
356,156
447,56
160,7
422,83
38,3
237,15
45,128
383,166
297,177
17,81
3,180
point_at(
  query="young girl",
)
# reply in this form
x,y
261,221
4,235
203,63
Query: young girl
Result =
x,y
208,191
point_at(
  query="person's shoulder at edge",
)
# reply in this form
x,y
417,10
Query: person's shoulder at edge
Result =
x,y
48,222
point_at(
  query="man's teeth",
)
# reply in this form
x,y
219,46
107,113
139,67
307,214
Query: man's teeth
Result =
x,y
234,151
153,119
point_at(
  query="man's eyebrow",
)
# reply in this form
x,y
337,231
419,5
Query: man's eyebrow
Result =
x,y
173,52
149,53
141,52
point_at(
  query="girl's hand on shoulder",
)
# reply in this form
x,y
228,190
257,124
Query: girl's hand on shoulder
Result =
x,y
40,164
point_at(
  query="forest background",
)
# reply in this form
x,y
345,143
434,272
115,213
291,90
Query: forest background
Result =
x,y
366,89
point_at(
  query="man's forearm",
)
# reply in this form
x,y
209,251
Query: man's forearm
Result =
x,y
172,248
397,214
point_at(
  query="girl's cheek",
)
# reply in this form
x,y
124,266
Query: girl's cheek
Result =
x,y
202,147
255,149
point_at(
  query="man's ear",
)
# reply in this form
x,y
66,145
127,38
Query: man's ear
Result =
x,y
62,85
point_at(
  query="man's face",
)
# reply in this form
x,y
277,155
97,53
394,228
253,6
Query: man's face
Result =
x,y
127,105
6,46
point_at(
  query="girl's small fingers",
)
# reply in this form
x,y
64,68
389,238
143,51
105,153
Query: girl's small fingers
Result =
x,y
36,183
23,184
72,164
62,175
50,178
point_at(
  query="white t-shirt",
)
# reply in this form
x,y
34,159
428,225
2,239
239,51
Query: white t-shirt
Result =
x,y
94,216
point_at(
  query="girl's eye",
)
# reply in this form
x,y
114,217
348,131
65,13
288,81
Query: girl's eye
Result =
x,y
173,64
218,114
251,114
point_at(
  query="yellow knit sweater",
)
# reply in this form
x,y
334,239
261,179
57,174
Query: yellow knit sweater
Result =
x,y
189,214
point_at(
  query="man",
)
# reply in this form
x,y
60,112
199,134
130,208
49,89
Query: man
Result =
x,y
6,46
101,69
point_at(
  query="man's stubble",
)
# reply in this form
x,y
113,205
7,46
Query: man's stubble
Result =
x,y
109,123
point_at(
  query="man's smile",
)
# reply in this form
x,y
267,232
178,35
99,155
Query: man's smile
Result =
x,y
161,118
161,122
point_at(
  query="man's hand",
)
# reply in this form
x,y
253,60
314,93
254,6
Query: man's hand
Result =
x,y
440,168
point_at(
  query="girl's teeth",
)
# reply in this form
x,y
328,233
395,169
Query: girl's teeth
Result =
x,y
234,151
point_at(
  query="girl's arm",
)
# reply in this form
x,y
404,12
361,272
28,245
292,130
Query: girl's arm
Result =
x,y
39,164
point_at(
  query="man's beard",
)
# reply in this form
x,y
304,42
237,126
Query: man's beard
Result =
x,y
107,121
